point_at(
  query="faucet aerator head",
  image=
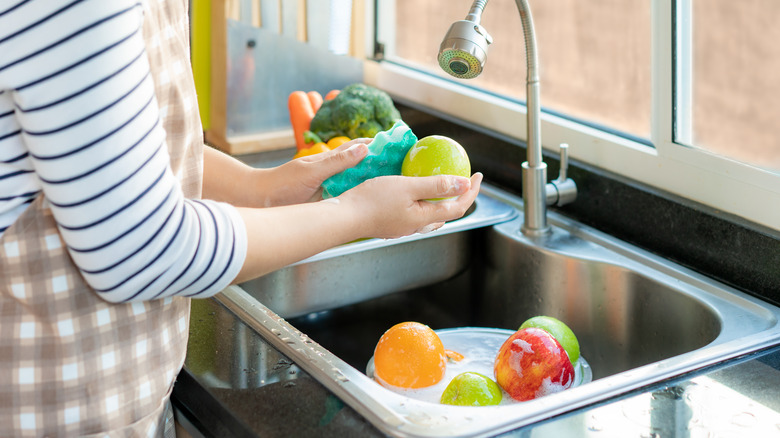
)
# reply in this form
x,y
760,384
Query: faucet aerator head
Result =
x,y
463,51
459,66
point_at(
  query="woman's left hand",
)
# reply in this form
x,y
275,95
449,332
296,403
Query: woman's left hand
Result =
x,y
227,179
300,180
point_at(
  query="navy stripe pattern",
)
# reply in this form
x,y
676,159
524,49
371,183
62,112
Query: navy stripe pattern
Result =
x,y
79,122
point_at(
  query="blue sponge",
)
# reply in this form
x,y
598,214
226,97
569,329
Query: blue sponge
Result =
x,y
386,154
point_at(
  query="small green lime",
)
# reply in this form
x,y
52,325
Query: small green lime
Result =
x,y
560,331
471,389
436,155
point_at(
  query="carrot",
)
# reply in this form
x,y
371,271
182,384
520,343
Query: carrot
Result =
x,y
332,94
301,113
316,100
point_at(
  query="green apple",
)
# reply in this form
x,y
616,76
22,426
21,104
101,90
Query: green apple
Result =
x,y
436,155
471,389
560,331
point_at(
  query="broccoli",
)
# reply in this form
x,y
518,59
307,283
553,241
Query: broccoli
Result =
x,y
359,110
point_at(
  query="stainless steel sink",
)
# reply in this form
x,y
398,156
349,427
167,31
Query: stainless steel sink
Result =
x,y
370,268
639,318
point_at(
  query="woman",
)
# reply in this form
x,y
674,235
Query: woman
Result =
x,y
113,214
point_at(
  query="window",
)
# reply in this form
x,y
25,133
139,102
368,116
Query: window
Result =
x,y
729,69
595,65
637,88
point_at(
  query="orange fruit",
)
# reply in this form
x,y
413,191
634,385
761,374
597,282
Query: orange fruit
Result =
x,y
410,355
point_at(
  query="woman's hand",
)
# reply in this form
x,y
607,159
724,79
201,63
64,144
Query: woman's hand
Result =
x,y
299,180
385,207
229,180
395,206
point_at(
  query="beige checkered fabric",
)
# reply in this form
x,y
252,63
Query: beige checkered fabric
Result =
x,y
72,364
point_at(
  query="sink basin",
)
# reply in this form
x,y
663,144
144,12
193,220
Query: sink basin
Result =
x,y
639,319
369,268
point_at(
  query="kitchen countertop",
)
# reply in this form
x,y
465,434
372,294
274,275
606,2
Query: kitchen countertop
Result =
x,y
235,384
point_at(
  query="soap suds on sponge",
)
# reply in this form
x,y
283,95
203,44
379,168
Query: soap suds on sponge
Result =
x,y
386,154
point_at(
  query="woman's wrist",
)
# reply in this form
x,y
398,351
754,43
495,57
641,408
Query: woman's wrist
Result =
x,y
279,236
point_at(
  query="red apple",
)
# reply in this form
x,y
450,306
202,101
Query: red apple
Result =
x,y
531,364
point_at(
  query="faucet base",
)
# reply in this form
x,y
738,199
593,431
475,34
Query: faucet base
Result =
x,y
535,190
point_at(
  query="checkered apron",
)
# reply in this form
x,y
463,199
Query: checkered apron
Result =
x,y
72,364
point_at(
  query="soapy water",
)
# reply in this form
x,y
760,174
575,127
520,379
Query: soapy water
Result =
x,y
479,347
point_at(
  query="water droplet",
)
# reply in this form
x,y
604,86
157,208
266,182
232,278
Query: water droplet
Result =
x,y
282,363
594,425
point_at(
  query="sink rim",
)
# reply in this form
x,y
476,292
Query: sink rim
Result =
x,y
488,211
398,415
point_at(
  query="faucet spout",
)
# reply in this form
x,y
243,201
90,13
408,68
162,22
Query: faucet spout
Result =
x,y
462,54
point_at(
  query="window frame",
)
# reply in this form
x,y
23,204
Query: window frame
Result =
x,y
718,182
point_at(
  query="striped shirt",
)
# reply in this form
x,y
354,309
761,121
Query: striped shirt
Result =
x,y
79,122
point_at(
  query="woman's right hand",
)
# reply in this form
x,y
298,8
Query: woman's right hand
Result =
x,y
383,207
395,206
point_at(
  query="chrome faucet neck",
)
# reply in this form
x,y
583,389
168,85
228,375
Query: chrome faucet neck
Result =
x,y
534,169
462,54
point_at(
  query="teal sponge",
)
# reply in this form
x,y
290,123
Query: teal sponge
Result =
x,y
385,156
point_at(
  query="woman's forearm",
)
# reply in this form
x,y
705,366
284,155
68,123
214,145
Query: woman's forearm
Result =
x,y
279,236
227,179
383,207
296,181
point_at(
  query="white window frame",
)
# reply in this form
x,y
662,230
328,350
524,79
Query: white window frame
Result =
x,y
715,181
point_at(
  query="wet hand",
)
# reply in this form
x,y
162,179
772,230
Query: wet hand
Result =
x,y
299,180
395,206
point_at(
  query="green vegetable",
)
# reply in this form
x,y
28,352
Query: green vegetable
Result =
x,y
359,110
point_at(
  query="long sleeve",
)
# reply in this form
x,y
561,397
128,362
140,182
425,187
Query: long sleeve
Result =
x,y
77,105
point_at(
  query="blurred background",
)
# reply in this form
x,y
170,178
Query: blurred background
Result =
x,y
595,60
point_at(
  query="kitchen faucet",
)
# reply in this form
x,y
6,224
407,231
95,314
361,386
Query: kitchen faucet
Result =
x,y
462,54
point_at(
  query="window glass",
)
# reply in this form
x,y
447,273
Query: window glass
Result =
x,y
594,55
735,104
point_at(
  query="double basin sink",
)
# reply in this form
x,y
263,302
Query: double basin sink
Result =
x,y
639,318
